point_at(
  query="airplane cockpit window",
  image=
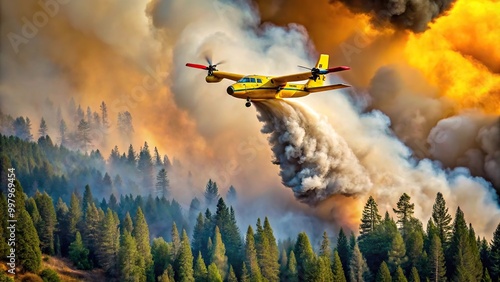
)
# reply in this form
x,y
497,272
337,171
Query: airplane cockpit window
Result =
x,y
259,80
252,80
245,79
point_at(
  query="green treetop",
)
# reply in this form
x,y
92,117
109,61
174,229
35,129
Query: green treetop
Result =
x,y
383,275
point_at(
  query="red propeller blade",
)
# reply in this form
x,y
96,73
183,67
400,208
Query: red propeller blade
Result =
x,y
196,66
336,69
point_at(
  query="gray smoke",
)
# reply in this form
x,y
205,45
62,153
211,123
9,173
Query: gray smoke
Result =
x,y
470,140
315,162
414,15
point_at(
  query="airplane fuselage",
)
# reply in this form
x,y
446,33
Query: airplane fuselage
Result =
x,y
257,87
261,87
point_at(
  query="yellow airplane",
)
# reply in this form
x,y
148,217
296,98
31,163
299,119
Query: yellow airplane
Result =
x,y
260,87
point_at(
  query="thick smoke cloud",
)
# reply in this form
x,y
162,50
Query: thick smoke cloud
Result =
x,y
400,14
315,162
471,140
403,14
419,79
391,167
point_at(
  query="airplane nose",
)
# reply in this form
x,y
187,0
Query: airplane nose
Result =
x,y
230,90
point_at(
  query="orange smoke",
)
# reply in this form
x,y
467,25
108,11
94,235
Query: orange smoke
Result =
x,y
115,60
459,55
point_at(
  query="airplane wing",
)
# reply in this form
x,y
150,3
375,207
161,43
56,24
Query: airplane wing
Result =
x,y
228,75
326,88
292,77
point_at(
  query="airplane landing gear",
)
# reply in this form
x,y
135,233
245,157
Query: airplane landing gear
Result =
x,y
248,103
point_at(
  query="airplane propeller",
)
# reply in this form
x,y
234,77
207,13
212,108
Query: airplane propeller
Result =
x,y
210,68
316,72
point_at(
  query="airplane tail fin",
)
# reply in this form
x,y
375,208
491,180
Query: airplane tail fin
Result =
x,y
321,64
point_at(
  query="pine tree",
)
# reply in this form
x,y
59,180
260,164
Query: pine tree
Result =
x,y
476,268
322,271
161,254
343,250
79,254
370,217
104,115
42,130
267,251
460,251
441,218
127,224
194,210
436,262
131,156
108,243
32,210
89,116
414,277
251,257
338,271
200,270
404,213
162,184
22,128
383,275
399,276
213,273
28,254
274,251
157,158
84,134
292,274
304,255
484,252
325,249
397,254
125,126
130,261
231,277
176,240
283,263
75,213
167,276
141,235
61,232
218,254
232,195
495,254
87,198
62,235
48,222
211,193
145,166
415,242
63,128
91,227
226,221
198,234
358,269
245,276
376,245
184,261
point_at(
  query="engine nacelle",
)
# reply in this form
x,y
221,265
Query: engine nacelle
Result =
x,y
212,79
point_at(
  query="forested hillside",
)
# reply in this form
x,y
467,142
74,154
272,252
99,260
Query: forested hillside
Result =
x,y
152,238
